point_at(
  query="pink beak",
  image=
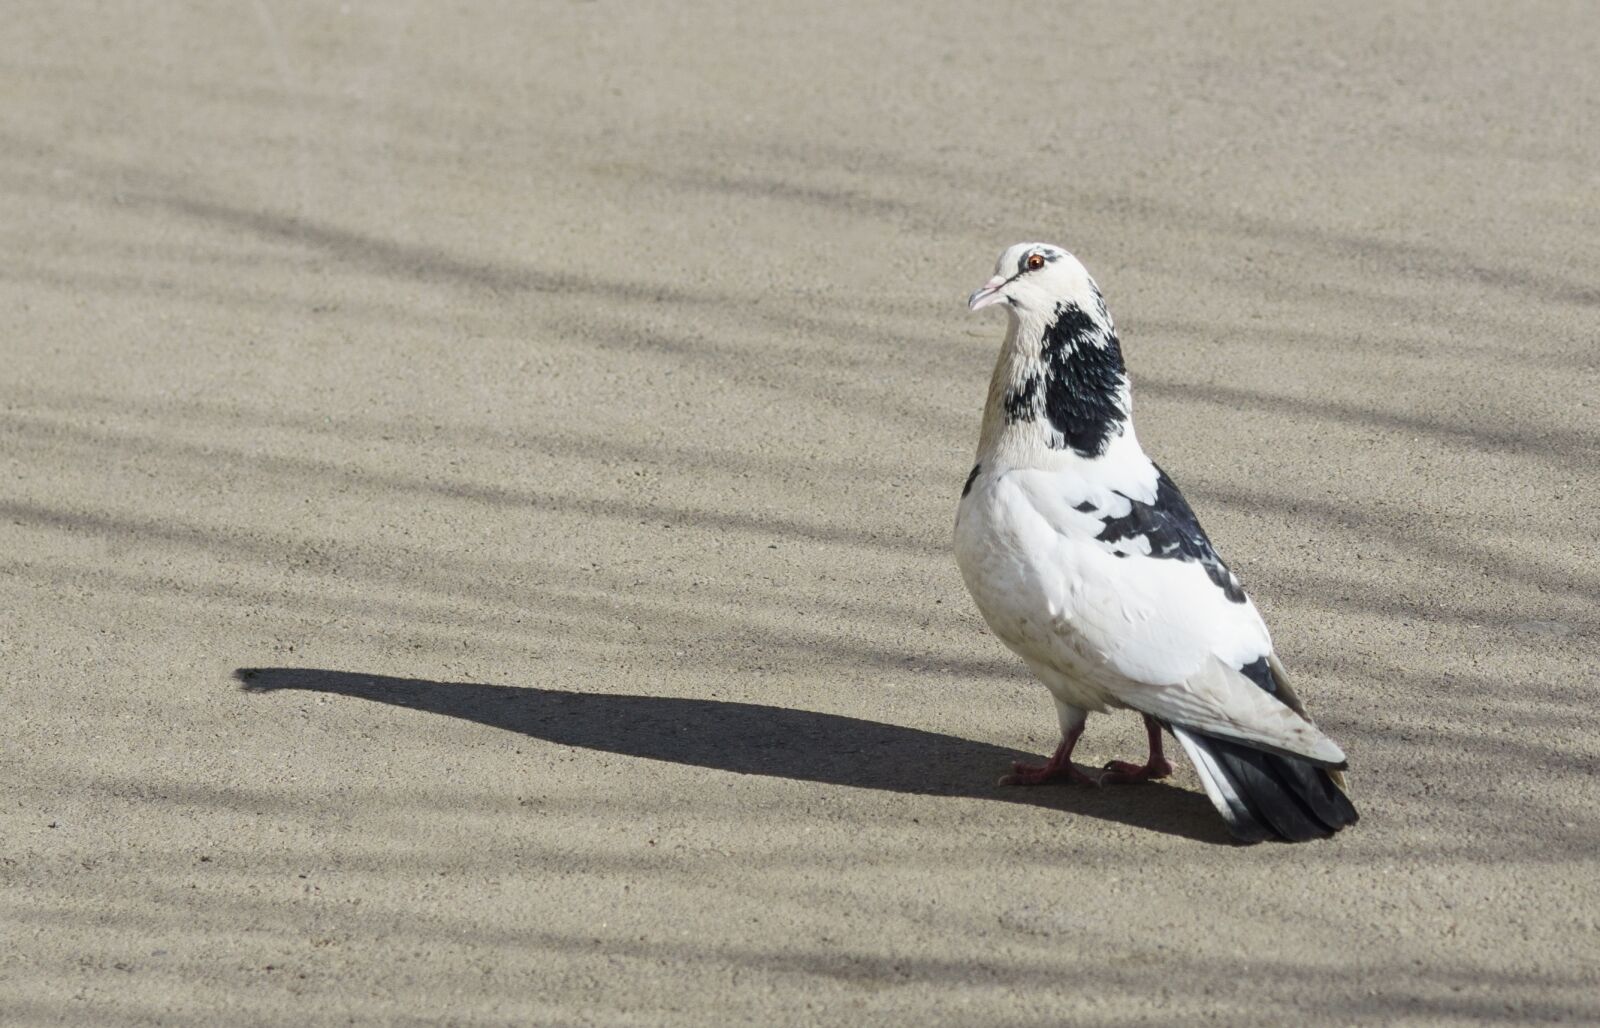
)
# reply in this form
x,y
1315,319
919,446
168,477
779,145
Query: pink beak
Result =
x,y
990,293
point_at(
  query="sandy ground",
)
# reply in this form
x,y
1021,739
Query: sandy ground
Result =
x,y
562,407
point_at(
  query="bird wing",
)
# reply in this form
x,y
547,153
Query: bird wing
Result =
x,y
1133,583
1218,700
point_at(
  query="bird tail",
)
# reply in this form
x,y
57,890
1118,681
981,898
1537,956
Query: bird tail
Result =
x,y
1265,795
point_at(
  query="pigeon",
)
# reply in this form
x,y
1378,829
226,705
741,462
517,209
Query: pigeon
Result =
x,y
1087,562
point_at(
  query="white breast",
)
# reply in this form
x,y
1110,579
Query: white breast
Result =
x,y
1030,583
1093,626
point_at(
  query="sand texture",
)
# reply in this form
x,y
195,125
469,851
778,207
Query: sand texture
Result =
x,y
476,485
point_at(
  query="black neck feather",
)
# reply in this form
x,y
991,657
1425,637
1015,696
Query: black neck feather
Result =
x,y
1079,391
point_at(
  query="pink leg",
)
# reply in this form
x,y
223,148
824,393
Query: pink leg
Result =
x,y
1058,768
1120,772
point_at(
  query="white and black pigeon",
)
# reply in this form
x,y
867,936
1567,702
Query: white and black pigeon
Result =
x,y
1086,561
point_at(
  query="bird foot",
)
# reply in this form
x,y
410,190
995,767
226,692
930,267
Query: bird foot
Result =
x,y
1120,772
1051,771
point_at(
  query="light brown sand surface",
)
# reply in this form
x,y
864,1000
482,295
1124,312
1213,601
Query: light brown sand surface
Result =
x,y
565,404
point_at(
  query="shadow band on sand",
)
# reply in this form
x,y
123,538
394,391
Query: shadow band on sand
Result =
x,y
751,739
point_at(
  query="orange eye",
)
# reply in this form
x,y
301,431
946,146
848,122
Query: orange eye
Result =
x,y
1035,262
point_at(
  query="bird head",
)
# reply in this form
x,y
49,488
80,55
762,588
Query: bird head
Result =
x,y
1060,374
1033,278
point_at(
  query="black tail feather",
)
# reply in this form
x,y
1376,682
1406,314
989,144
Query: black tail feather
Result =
x,y
1269,795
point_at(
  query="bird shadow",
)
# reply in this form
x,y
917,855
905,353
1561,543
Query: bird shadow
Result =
x,y
752,739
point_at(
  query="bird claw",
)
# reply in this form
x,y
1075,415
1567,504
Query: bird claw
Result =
x,y
1041,774
1120,772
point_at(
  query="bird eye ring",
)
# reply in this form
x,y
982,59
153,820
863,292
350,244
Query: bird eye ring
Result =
x,y
1035,261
